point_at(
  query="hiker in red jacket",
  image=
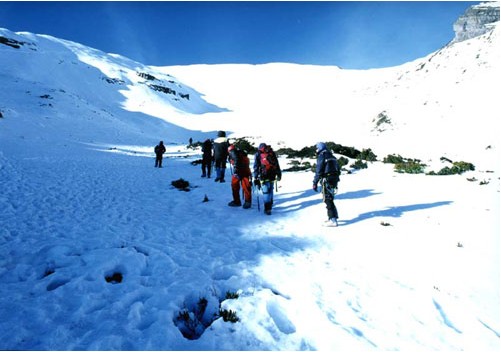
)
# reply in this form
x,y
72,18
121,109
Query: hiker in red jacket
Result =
x,y
241,175
266,173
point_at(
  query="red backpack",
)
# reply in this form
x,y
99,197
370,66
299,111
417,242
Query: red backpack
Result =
x,y
269,163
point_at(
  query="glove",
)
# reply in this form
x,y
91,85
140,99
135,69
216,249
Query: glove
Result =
x,y
257,183
315,187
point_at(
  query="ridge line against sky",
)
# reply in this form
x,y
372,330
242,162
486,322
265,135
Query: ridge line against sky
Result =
x,y
349,34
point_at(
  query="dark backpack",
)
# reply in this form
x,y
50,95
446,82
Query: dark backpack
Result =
x,y
269,164
332,169
159,149
240,162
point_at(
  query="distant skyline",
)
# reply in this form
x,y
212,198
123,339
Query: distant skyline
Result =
x,y
352,34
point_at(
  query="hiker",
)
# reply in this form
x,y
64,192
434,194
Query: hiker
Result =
x,y
207,158
327,173
266,173
241,174
159,153
220,155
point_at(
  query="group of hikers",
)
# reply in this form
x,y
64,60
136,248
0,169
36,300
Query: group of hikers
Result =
x,y
265,173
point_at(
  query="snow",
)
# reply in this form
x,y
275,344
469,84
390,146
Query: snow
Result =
x,y
82,205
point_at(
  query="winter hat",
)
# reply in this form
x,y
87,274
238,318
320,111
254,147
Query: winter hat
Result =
x,y
221,134
262,146
231,147
321,146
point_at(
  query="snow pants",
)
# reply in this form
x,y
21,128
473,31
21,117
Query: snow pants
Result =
x,y
267,189
246,187
158,160
220,166
206,166
328,191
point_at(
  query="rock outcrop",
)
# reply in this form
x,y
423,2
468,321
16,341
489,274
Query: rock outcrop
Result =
x,y
477,20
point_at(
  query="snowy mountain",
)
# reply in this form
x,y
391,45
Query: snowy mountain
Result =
x,y
451,90
99,252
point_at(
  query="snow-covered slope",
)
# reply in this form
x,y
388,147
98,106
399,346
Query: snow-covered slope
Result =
x,y
99,252
89,95
435,104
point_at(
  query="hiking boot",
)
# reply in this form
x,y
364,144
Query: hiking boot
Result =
x,y
332,222
267,211
247,205
222,180
216,179
234,204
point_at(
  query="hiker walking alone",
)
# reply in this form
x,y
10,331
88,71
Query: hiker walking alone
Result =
x,y
241,176
159,153
327,173
207,157
266,173
220,155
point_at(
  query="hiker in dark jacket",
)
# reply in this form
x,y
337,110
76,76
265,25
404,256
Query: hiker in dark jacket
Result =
x,y
327,173
207,158
241,176
266,173
220,155
159,153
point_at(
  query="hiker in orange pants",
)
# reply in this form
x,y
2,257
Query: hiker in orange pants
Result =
x,y
241,177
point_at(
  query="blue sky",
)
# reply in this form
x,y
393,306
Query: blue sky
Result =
x,y
352,34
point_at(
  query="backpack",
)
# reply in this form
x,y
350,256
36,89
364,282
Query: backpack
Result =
x,y
332,169
207,148
240,162
269,164
159,149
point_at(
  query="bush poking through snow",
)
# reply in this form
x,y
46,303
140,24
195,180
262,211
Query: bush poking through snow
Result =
x,y
181,184
231,295
405,165
367,155
115,278
228,315
193,320
458,167
296,165
410,167
359,164
244,144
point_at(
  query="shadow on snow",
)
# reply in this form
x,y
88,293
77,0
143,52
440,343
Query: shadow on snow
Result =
x,y
394,212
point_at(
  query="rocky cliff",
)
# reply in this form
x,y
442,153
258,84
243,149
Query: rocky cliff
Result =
x,y
476,21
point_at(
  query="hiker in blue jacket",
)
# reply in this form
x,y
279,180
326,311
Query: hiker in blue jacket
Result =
x,y
266,172
327,173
